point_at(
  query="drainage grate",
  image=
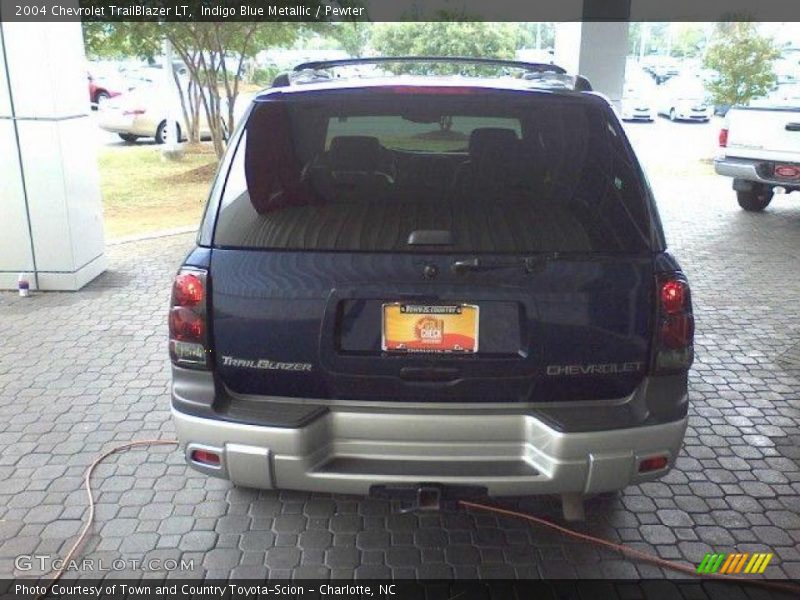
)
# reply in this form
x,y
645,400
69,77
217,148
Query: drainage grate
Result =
x,y
791,358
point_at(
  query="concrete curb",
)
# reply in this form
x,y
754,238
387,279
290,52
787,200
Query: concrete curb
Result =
x,y
150,235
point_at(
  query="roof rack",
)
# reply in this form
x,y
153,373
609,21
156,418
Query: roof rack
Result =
x,y
542,75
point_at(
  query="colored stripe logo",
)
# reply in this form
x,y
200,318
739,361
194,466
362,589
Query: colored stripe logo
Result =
x,y
731,564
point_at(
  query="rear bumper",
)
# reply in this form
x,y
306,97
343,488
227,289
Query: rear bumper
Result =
x,y
349,450
746,169
117,123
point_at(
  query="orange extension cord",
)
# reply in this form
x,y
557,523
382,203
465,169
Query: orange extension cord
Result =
x,y
622,549
90,521
631,552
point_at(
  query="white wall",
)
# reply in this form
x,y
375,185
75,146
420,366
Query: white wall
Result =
x,y
50,205
596,51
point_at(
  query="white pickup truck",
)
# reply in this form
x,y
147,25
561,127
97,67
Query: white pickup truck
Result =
x,y
761,145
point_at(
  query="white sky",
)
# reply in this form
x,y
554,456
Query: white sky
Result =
x,y
782,32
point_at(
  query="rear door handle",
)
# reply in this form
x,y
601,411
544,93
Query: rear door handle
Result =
x,y
793,127
428,374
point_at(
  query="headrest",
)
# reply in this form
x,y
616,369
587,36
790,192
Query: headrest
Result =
x,y
491,140
355,153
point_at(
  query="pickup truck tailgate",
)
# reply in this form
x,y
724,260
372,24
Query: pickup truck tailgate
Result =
x,y
764,133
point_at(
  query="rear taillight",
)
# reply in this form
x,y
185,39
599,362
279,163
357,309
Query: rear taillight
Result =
x,y
188,331
188,290
723,138
674,333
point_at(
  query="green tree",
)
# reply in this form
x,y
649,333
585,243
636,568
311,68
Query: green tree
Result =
x,y
743,61
353,36
529,32
214,53
473,39
688,40
634,38
121,40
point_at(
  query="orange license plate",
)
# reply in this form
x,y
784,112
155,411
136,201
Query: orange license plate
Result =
x,y
438,328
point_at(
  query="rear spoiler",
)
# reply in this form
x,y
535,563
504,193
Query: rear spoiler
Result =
x,y
540,74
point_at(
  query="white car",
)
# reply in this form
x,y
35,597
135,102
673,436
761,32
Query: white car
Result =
x,y
143,112
684,99
637,96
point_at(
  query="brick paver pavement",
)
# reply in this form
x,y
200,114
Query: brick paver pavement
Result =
x,y
81,372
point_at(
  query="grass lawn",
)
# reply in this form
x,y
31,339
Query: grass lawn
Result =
x,y
143,193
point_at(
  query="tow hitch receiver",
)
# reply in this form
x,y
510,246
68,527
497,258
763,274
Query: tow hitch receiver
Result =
x,y
426,497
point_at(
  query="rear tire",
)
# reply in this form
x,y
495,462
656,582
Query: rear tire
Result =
x,y
755,200
161,133
101,98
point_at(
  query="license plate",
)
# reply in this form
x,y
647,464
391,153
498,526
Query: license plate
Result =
x,y
437,328
787,171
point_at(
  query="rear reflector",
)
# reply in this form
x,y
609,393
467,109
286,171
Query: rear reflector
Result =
x,y
206,458
654,463
135,111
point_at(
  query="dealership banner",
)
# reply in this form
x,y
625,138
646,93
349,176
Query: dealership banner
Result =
x,y
300,589
398,10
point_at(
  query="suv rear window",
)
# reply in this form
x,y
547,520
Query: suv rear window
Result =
x,y
448,134
500,172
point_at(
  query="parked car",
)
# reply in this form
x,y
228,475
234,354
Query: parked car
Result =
x,y
684,99
761,148
637,96
381,304
101,90
661,68
143,113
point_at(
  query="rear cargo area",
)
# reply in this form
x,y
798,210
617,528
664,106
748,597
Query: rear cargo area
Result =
x,y
397,247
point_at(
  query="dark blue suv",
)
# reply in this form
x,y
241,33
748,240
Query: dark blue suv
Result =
x,y
407,281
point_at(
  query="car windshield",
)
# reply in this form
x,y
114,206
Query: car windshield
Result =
x,y
491,172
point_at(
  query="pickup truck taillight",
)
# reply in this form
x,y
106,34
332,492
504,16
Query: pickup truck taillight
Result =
x,y
674,335
723,138
188,330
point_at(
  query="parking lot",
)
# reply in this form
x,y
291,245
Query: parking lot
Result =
x,y
82,372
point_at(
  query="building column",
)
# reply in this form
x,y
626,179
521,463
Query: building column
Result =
x,y
51,221
596,50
